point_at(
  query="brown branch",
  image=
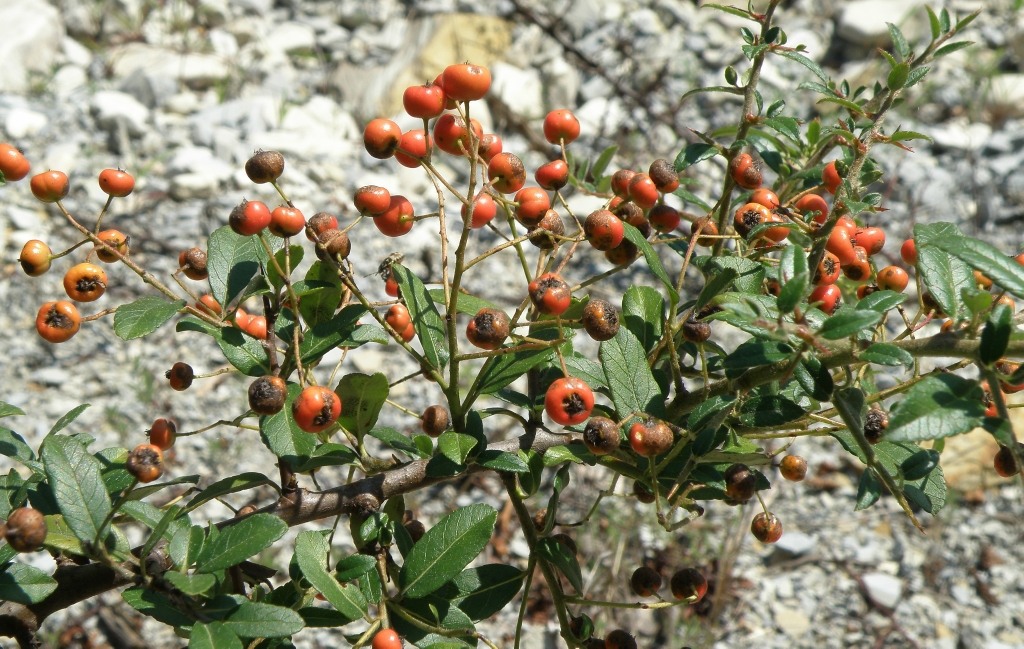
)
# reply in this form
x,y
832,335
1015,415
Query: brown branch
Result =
x,y
77,583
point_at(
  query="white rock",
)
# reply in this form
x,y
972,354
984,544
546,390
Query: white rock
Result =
x,y
68,80
796,543
291,37
194,69
31,33
793,622
111,108
882,589
864,21
76,53
23,122
1006,94
224,43
517,88
959,134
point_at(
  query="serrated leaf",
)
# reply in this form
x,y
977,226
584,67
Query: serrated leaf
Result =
x,y
694,153
787,126
445,549
652,259
74,477
213,635
230,485
938,406
144,316
886,354
562,558
24,584
430,327
311,550
362,397
239,541
881,301
848,323
232,261
283,436
258,620
632,385
642,312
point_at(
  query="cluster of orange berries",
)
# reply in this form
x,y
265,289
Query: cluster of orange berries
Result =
x,y
59,320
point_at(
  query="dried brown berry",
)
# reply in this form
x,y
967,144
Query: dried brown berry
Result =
x,y
600,320
145,462
267,395
193,263
26,529
740,482
264,166
875,423
696,331
793,467
645,581
687,583
766,527
601,435
180,376
434,420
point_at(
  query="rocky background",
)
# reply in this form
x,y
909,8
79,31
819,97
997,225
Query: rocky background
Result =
x,y
180,92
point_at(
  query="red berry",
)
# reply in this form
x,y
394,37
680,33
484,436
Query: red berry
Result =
x,y
643,191
687,583
908,251
603,230
116,183
650,437
550,294
827,297
85,282
466,82
286,221
452,135
766,527
372,200
35,258
809,203
316,408
569,401
398,219
426,101
249,217
532,203
13,163
483,211
830,177
488,329
561,127
162,433
892,278
746,171
413,147
116,240
506,173
386,639
50,186
381,137
180,376
145,462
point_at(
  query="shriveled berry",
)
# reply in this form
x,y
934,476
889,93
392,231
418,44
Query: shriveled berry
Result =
x,y
264,166
650,437
145,463
619,639
696,331
875,424
193,263
267,395
664,176
547,234
1004,463
488,329
600,320
180,376
601,435
740,482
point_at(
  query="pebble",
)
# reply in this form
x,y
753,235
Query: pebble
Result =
x,y
30,41
883,589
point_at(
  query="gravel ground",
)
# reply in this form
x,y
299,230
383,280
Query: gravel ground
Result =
x,y
180,93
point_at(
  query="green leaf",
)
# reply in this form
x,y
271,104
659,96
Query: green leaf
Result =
x,y
213,635
643,311
792,291
886,354
353,567
243,351
329,454
897,77
456,446
906,136
144,316
928,492
952,47
14,446
881,301
466,304
653,260
502,461
186,544
362,397
814,378
755,353
502,370
257,620
230,485
848,323
943,274
319,306
787,126
396,440
996,334
710,414
283,436
156,605
804,61
768,411
483,591
66,420
191,584
586,369
7,410
239,541
232,261
869,490
933,22
716,283
938,406
328,334
920,464
562,558
77,486
311,550
899,41
24,584
629,377
694,153
984,257
446,549
293,254
749,273
430,327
